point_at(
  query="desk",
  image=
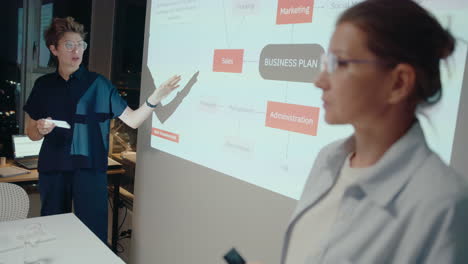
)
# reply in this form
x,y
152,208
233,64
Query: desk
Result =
x,y
74,243
115,174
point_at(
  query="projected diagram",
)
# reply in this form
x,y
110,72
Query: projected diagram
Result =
x,y
282,62
248,107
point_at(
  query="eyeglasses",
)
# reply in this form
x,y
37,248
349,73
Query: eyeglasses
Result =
x,y
329,62
71,45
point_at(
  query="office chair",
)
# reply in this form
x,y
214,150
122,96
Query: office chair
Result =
x,y
14,202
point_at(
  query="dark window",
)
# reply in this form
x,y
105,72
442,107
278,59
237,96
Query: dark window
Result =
x,y
126,73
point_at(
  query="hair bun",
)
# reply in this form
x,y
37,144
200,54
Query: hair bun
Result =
x,y
447,44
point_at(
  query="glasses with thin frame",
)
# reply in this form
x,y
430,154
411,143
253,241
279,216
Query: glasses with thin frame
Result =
x,y
72,45
329,62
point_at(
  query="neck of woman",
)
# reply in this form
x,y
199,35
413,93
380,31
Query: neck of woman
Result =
x,y
372,141
65,72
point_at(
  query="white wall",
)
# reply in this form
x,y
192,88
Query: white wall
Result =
x,y
459,159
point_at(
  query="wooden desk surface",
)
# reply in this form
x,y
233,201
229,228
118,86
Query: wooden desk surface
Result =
x,y
34,175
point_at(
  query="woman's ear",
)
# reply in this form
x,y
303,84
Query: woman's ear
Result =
x,y
53,50
404,79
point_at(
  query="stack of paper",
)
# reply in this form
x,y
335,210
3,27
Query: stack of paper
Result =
x,y
12,171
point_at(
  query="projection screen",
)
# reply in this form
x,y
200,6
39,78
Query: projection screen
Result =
x,y
248,107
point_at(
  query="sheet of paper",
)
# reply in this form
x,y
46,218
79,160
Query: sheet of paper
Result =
x,y
59,123
9,241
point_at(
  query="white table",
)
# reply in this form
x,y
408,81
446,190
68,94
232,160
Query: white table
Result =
x,y
73,243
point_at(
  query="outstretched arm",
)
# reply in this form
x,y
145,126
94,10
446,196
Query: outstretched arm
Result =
x,y
134,118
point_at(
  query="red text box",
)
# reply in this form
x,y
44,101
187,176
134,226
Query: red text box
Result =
x,y
294,11
228,60
165,134
291,117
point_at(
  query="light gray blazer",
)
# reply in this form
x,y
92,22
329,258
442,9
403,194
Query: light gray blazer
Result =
x,y
410,207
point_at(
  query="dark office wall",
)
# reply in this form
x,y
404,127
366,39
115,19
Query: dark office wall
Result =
x,y
9,74
9,25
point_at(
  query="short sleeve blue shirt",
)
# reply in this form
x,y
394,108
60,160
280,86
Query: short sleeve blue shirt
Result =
x,y
87,101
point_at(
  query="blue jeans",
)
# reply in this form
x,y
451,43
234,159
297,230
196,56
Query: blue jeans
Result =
x,y
87,188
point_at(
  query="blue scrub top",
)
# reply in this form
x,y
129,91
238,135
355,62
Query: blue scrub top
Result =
x,y
87,101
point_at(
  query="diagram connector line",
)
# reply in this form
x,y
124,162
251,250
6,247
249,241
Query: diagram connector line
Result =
x,y
225,26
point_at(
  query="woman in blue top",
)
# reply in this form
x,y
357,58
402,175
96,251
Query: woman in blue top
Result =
x,y
381,195
73,162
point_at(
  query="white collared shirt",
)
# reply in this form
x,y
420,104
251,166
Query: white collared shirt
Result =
x,y
310,234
